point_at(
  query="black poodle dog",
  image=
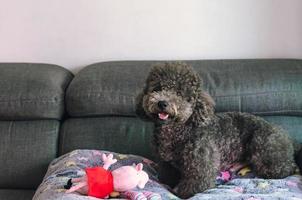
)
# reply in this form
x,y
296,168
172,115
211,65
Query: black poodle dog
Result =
x,y
198,142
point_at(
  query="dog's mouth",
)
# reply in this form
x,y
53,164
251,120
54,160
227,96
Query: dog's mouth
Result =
x,y
163,116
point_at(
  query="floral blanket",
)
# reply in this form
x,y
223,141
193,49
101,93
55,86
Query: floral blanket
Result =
x,y
73,164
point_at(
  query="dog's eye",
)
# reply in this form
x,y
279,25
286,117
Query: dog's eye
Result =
x,y
156,89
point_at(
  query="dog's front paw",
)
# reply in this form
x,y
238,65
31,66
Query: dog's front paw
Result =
x,y
175,190
183,190
189,187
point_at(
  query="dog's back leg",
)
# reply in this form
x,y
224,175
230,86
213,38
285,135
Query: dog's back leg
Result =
x,y
272,153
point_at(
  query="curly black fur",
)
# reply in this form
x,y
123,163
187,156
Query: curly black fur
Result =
x,y
190,136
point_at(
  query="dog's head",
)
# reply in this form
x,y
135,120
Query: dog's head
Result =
x,y
173,94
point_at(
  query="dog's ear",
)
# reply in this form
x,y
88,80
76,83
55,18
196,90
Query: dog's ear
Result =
x,y
139,110
203,110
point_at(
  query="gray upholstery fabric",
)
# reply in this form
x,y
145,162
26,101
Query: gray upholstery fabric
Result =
x,y
32,91
106,88
26,148
257,86
16,194
292,124
129,135
118,134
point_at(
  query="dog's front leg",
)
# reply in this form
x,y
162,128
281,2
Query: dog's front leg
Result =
x,y
199,171
168,174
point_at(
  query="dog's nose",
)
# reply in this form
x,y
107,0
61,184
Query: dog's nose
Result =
x,y
162,104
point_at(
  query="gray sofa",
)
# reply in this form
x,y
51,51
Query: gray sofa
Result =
x,y
46,111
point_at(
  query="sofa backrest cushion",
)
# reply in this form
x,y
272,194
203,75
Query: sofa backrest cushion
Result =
x,y
32,91
264,87
31,105
119,134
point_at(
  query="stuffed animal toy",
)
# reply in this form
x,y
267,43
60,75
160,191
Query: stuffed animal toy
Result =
x,y
100,182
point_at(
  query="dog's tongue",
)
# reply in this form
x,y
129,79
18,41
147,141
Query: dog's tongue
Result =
x,y
163,116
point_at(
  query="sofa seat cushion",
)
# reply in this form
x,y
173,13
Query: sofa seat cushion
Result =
x,y
15,194
26,148
32,91
72,165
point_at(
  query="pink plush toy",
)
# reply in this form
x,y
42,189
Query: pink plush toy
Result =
x,y
100,182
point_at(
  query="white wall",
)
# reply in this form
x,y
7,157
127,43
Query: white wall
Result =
x,y
74,33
